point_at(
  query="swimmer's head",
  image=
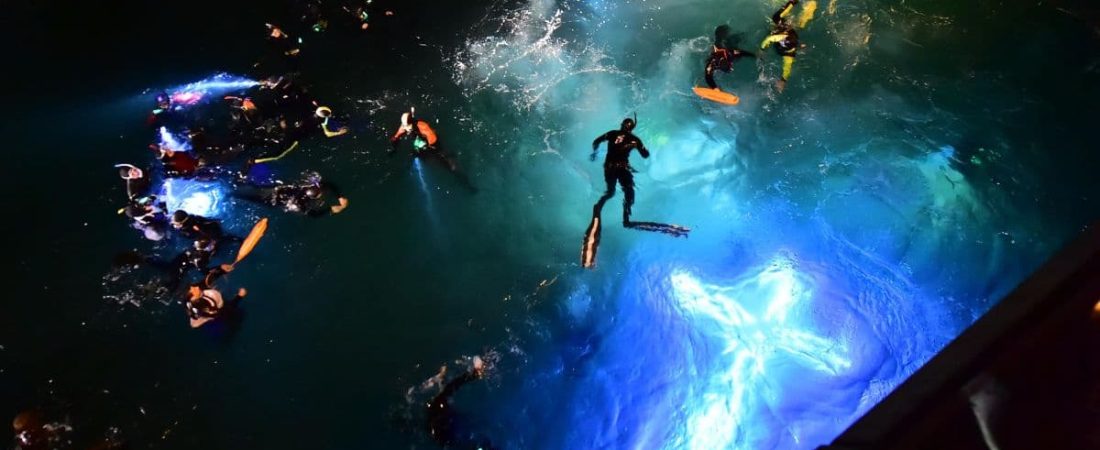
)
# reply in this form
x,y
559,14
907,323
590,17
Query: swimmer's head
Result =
x,y
313,192
629,124
178,217
323,112
406,122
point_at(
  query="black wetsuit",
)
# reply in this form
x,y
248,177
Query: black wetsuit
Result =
x,y
721,57
789,45
198,227
616,167
138,187
443,423
295,197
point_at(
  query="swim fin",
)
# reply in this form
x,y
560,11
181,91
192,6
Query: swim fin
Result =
x,y
591,243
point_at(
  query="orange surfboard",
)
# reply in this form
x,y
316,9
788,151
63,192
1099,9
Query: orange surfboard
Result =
x,y
717,95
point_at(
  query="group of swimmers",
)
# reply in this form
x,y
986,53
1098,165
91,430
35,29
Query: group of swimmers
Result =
x,y
783,38
274,116
269,121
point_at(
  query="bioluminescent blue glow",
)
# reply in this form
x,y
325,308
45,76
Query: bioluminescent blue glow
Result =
x,y
762,334
196,197
171,142
419,168
192,93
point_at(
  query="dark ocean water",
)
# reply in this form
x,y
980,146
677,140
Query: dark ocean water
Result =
x,y
925,158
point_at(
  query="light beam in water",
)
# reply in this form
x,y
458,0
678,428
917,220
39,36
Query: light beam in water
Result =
x,y
171,142
762,335
192,93
424,188
195,197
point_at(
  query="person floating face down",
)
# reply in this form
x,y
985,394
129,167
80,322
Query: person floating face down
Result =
x,y
784,38
721,56
424,137
204,302
616,166
308,197
444,424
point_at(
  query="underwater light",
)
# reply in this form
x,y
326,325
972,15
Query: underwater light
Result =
x,y
761,337
171,142
220,82
193,93
195,197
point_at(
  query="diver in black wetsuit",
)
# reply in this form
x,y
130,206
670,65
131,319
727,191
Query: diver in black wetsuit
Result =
x,y
616,166
616,169
196,227
721,56
443,422
306,197
205,303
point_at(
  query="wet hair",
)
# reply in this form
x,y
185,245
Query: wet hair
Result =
x,y
180,215
721,34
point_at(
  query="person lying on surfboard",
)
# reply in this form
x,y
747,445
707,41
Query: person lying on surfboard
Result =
x,y
722,57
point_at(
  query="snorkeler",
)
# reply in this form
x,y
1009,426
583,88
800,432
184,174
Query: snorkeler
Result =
x,y
137,181
305,197
426,144
148,215
443,423
177,164
616,166
721,56
785,38
617,169
282,40
325,114
245,105
204,302
423,135
359,10
193,226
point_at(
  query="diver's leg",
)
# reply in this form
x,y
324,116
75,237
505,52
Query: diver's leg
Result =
x,y
627,180
609,178
710,75
788,62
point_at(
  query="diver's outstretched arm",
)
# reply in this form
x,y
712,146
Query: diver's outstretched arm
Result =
x,y
596,144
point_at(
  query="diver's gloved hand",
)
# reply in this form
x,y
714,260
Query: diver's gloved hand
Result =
x,y
593,156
